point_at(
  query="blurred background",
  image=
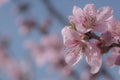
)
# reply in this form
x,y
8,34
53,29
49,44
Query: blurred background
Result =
x,y
26,26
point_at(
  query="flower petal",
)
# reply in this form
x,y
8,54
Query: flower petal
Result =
x,y
90,10
93,57
101,27
112,22
77,11
104,13
70,37
77,17
107,37
117,62
74,55
111,60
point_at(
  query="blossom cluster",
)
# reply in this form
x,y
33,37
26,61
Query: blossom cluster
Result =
x,y
93,32
49,50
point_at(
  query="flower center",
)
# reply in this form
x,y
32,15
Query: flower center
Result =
x,y
89,22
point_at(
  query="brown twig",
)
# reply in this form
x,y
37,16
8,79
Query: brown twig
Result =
x,y
101,45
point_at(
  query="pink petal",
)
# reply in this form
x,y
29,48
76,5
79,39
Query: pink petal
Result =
x,y
114,26
104,13
117,62
78,18
90,10
112,22
77,11
112,58
3,1
40,59
78,23
52,41
94,58
70,37
77,15
107,37
100,27
72,19
74,55
30,44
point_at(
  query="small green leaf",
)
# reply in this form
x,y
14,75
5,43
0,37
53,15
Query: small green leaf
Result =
x,y
73,26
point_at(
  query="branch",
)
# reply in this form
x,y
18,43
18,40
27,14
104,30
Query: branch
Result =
x,y
54,12
101,45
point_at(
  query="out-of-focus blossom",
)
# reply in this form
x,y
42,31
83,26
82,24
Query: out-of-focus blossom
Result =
x,y
55,52
67,70
4,56
22,8
4,53
26,25
52,42
44,27
17,71
38,52
4,41
85,75
91,19
78,46
3,1
51,51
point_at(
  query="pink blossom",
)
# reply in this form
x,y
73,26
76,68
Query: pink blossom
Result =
x,y
38,52
114,28
44,27
117,62
71,37
4,53
93,57
4,57
78,46
17,70
85,75
107,37
3,1
112,59
48,50
53,46
67,70
26,25
52,42
22,8
90,18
